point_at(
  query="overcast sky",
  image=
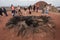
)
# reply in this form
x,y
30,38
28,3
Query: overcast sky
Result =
x,y
27,2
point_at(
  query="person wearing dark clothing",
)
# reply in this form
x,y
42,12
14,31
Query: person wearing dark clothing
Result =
x,y
30,7
19,10
4,11
1,11
25,8
37,9
13,10
43,10
34,8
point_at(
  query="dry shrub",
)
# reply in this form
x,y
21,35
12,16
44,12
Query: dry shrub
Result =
x,y
33,24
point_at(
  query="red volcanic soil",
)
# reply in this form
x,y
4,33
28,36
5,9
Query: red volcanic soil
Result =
x,y
56,17
8,34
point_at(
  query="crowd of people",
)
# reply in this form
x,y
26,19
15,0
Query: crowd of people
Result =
x,y
45,10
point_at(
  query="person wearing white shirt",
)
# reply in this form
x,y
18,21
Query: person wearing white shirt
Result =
x,y
19,10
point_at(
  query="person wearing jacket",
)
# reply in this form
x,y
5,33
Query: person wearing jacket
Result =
x,y
4,11
1,11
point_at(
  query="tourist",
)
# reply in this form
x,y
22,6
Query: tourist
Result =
x,y
34,8
47,8
25,8
37,9
42,10
4,11
13,10
30,8
19,10
1,11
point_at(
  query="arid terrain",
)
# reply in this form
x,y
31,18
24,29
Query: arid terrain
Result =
x,y
10,35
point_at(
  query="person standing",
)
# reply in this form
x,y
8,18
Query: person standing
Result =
x,y
4,11
34,7
13,10
47,8
1,11
37,8
19,10
42,10
30,8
